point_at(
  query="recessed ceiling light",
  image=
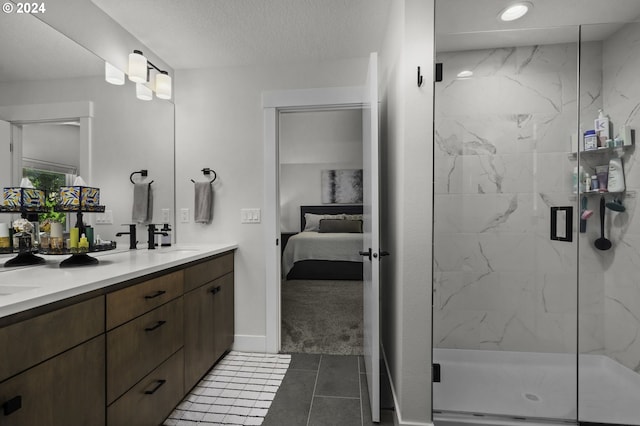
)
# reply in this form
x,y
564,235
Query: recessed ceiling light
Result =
x,y
465,74
515,11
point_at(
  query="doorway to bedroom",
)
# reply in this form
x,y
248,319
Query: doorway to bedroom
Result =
x,y
320,186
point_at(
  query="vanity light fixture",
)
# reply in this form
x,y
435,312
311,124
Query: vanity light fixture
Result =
x,y
464,74
113,75
139,72
143,92
515,11
163,85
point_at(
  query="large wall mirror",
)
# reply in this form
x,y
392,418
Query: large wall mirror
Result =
x,y
62,116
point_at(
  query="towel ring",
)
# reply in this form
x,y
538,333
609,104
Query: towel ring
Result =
x,y
143,173
207,171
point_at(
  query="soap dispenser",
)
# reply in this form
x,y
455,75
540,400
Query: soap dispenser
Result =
x,y
165,240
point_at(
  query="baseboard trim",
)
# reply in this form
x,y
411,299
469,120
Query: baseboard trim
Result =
x,y
250,343
397,412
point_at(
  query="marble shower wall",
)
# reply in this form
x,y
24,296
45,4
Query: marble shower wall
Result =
x,y
502,138
621,101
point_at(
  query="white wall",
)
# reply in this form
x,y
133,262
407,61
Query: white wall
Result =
x,y
309,143
219,124
128,135
407,155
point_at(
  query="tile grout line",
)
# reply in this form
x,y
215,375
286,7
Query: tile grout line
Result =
x,y
313,394
360,389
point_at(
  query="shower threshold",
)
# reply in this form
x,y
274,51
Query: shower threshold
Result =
x,y
539,387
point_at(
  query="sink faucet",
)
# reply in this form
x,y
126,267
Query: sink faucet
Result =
x,y
132,235
152,235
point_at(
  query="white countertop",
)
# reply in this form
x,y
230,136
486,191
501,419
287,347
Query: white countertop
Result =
x,y
23,288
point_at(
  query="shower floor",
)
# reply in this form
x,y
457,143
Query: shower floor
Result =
x,y
536,386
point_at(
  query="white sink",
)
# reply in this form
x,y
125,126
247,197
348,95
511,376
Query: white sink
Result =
x,y
7,290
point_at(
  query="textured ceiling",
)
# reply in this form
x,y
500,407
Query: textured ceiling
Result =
x,y
221,33
474,24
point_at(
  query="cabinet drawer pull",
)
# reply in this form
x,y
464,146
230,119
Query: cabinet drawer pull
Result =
x,y
157,325
12,405
154,295
216,290
158,385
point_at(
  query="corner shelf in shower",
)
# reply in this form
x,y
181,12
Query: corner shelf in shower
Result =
x,y
617,151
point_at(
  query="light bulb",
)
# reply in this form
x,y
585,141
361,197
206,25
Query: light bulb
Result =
x,y
137,67
143,92
163,85
113,75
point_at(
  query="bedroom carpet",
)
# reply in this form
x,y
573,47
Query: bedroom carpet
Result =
x,y
322,317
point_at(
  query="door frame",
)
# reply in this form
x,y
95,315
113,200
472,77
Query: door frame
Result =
x,y
273,103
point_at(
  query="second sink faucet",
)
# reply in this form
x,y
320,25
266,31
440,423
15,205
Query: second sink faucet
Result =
x,y
152,235
132,236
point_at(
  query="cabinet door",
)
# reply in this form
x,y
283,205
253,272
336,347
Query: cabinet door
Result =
x,y
198,333
223,316
208,326
68,389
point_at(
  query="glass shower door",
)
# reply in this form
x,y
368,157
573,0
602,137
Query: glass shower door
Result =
x,y
505,290
609,290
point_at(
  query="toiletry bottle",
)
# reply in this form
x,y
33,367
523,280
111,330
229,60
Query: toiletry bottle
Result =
x,y
594,182
602,128
590,140
616,176
83,244
577,180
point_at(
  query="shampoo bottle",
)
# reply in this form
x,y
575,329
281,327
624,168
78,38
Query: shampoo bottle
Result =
x,y
602,128
616,176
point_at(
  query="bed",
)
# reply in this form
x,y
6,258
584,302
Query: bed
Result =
x,y
326,255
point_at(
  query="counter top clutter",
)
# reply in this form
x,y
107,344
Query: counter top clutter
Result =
x,y
30,287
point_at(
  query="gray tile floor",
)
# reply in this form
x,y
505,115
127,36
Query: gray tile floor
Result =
x,y
323,390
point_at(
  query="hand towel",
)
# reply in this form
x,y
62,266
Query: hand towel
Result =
x,y
141,203
204,202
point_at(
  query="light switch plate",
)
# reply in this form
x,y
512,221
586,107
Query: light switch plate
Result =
x,y
249,215
166,215
184,215
105,218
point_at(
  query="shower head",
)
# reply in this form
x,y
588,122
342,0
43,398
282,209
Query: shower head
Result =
x,y
616,205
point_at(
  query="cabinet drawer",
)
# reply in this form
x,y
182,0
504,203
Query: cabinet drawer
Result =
x,y
151,400
32,341
200,274
137,347
65,390
128,303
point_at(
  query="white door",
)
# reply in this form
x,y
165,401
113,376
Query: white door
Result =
x,y
5,156
371,246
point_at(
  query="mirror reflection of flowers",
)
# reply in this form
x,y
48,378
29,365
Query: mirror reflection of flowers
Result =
x,y
22,225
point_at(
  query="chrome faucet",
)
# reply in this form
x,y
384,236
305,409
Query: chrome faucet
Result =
x,y
132,235
152,235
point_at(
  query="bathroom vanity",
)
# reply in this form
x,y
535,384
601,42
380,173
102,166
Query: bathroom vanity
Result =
x,y
118,343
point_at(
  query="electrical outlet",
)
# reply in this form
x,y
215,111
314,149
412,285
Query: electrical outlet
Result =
x,y
166,215
105,218
184,215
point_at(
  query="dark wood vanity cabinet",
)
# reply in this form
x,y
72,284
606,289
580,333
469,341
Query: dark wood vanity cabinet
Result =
x,y
53,368
125,357
208,316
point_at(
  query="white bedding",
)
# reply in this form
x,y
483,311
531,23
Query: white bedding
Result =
x,y
309,245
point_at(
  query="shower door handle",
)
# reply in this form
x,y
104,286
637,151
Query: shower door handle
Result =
x,y
366,253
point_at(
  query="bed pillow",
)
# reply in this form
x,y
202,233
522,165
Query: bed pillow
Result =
x,y
312,221
353,216
340,225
